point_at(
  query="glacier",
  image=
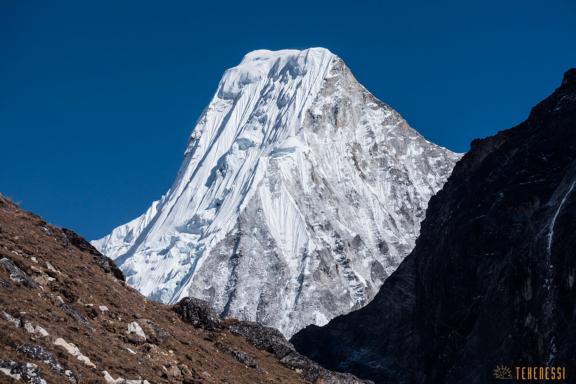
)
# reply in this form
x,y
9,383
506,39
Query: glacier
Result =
x,y
299,194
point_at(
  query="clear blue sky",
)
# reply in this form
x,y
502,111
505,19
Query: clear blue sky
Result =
x,y
97,98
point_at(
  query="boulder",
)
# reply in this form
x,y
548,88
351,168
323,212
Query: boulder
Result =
x,y
135,333
199,313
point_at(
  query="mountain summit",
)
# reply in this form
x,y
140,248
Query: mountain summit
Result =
x,y
299,194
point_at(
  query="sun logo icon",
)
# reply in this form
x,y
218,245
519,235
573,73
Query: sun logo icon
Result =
x,y
502,372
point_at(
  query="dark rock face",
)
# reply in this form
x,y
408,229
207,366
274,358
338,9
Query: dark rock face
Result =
x,y
104,262
491,279
198,313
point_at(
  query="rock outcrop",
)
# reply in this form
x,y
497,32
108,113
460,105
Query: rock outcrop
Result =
x,y
200,314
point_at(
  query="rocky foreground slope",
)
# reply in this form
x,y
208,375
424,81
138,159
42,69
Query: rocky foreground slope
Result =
x,y
299,194
491,281
67,316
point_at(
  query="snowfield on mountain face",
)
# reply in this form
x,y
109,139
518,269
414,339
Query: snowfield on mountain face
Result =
x,y
299,194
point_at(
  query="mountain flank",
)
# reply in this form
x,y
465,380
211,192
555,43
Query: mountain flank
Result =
x,y
490,281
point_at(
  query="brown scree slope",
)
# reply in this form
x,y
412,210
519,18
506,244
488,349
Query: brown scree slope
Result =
x,y
66,309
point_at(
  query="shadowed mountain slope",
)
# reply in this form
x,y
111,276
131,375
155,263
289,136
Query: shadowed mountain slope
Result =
x,y
491,278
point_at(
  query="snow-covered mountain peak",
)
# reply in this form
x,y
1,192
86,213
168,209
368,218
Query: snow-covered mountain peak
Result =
x,y
300,192
263,55
264,65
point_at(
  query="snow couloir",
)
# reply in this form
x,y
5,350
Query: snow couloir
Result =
x,y
299,194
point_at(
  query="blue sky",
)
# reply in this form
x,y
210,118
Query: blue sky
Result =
x,y
97,99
